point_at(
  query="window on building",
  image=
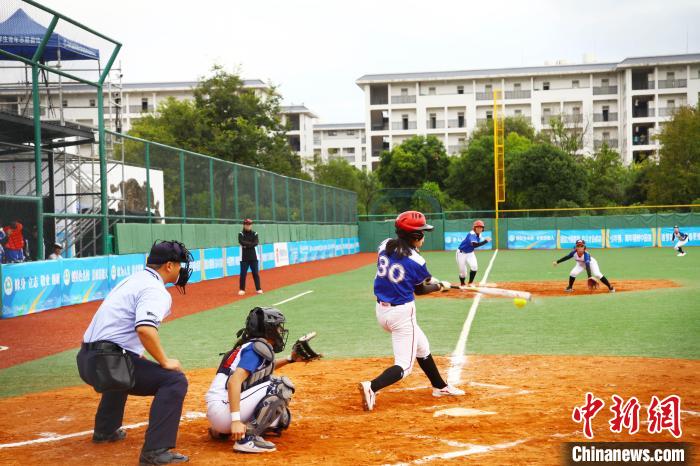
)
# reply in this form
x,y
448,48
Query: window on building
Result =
x,y
431,91
332,133
460,89
64,103
516,86
404,121
404,91
545,86
670,75
460,120
518,112
144,104
350,150
489,114
576,110
605,82
488,87
575,84
350,133
606,112
433,120
92,102
671,103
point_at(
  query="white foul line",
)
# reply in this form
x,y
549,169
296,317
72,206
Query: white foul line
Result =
x,y
3,348
293,297
471,450
188,416
458,357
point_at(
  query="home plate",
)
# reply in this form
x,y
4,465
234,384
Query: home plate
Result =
x,y
462,412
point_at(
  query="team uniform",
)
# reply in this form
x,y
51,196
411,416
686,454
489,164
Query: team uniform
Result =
x,y
584,261
466,259
681,240
398,277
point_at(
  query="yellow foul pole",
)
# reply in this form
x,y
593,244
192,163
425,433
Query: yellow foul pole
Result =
x,y
498,159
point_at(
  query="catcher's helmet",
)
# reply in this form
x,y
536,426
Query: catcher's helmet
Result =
x,y
411,225
580,242
267,322
478,223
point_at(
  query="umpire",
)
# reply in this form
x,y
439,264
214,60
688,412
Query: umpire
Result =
x,y
111,357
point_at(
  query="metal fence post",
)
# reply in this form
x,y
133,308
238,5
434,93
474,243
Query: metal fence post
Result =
x,y
211,188
286,188
183,205
148,181
235,191
313,190
274,199
257,204
335,217
301,199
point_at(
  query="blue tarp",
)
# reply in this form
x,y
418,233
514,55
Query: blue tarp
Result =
x,y
21,35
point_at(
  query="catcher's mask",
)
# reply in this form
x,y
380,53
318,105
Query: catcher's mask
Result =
x,y
172,251
268,323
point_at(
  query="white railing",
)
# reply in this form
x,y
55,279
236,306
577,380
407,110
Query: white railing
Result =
x,y
604,90
438,124
400,126
403,99
672,83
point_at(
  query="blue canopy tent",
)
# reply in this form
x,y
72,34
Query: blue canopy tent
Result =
x,y
21,35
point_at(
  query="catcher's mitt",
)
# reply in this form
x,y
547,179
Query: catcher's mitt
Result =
x,y
301,350
592,284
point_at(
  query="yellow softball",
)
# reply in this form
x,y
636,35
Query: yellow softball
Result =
x,y
519,302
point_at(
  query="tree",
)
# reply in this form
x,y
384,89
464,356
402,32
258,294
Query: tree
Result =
x,y
368,187
516,124
567,135
337,172
676,178
227,121
608,178
545,176
414,161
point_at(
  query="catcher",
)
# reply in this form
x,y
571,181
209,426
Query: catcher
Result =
x,y
584,261
245,400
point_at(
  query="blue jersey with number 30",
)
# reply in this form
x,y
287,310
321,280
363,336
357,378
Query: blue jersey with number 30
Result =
x,y
396,278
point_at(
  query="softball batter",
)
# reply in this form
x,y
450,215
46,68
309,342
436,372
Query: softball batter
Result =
x,y
401,272
584,261
465,254
681,240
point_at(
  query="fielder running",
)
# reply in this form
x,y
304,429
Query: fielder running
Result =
x,y
681,240
401,272
465,254
584,261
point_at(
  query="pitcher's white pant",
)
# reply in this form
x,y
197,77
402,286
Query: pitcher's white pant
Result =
x,y
464,260
219,412
407,338
595,270
680,244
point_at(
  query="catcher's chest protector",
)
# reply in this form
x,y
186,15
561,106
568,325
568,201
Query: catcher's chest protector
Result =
x,y
263,349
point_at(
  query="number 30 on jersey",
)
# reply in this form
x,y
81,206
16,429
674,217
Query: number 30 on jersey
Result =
x,y
395,273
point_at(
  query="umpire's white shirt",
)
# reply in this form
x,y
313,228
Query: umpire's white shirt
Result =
x,y
140,299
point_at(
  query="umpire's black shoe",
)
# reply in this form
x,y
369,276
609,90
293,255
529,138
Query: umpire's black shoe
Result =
x,y
117,435
161,456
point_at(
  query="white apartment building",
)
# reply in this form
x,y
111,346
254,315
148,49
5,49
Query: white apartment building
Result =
x,y
342,140
300,122
622,104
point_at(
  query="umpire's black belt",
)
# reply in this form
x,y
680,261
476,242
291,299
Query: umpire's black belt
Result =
x,y
101,345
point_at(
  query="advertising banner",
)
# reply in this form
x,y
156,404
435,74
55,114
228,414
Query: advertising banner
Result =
x,y
85,279
454,238
30,287
532,239
281,254
121,267
212,263
631,237
593,238
232,261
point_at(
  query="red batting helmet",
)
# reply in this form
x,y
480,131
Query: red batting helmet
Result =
x,y
478,223
411,221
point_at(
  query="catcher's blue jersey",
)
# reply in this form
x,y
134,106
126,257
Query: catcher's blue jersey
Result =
x,y
397,277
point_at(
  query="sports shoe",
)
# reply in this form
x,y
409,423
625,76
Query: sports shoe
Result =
x,y
612,290
161,456
241,293
368,396
471,285
259,292
449,390
254,444
117,435
219,436
463,287
568,290
682,254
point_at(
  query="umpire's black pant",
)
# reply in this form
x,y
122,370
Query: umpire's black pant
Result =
x,y
169,389
253,269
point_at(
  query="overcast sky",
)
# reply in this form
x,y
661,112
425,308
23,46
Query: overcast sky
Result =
x,y
315,50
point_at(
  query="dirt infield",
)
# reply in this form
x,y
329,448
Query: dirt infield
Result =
x,y
556,288
58,330
530,399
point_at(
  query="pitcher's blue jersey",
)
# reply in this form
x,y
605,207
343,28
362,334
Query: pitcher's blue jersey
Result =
x,y
467,245
396,278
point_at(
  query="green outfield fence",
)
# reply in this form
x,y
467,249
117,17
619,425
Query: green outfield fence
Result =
x,y
375,228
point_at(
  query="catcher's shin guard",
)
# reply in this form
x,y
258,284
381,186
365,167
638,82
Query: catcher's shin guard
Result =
x,y
272,413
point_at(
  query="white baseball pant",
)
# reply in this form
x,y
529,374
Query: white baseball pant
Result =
x,y
464,261
680,244
219,412
595,270
407,339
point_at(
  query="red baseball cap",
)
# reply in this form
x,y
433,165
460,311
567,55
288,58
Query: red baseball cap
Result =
x,y
247,222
